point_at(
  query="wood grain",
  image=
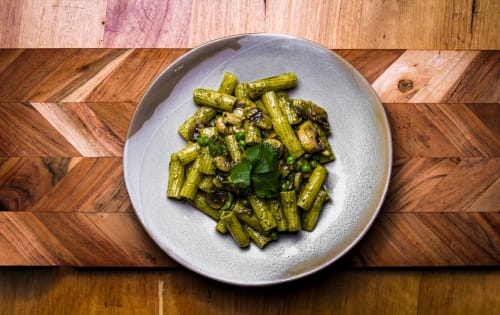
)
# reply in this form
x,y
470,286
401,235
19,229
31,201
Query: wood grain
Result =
x,y
428,24
53,23
104,75
466,24
339,291
66,113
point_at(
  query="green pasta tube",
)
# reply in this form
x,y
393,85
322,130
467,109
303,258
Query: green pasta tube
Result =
x,y
277,211
310,218
290,210
214,99
221,227
258,238
228,84
241,91
286,108
201,117
252,133
250,219
175,178
198,201
283,129
235,229
312,187
207,166
189,153
260,105
262,212
209,132
192,181
233,148
280,82
207,183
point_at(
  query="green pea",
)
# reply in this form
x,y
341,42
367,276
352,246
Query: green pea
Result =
x,y
240,135
285,186
305,168
242,143
290,160
314,163
245,203
203,141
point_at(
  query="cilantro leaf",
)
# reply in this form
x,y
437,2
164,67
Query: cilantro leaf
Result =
x,y
259,169
266,185
268,161
240,174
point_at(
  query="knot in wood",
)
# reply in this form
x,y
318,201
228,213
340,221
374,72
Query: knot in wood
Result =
x,y
405,85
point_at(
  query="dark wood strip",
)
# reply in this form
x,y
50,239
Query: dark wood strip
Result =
x,y
93,185
117,75
129,80
430,239
117,239
97,185
41,75
27,133
77,239
370,63
444,185
480,81
444,130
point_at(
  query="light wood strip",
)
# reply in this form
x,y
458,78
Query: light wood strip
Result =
x,y
422,76
428,24
53,23
147,23
212,20
82,128
77,239
26,133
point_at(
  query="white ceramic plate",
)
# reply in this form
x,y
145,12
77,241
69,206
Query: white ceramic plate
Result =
x,y
357,180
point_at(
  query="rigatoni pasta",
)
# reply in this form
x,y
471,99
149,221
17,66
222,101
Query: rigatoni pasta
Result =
x,y
254,159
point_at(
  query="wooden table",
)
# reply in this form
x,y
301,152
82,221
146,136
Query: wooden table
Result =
x,y
63,120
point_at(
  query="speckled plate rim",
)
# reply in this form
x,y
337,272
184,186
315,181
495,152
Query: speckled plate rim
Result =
x,y
177,65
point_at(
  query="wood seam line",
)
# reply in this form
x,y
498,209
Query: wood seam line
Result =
x,y
84,90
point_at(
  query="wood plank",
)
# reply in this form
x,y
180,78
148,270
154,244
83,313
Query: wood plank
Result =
x,y
54,23
444,130
428,24
147,23
440,76
430,239
210,21
459,292
104,75
117,239
26,133
444,185
77,239
62,290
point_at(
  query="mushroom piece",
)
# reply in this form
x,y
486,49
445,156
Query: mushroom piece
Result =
x,y
309,138
313,112
216,198
222,163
